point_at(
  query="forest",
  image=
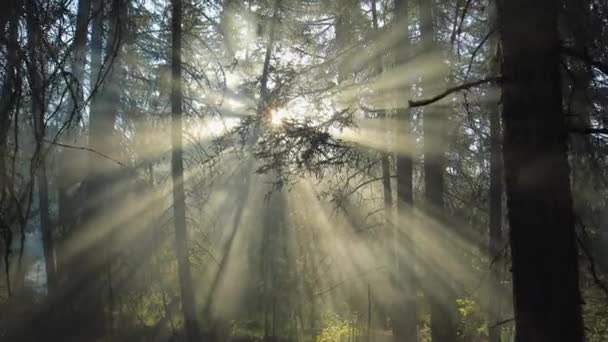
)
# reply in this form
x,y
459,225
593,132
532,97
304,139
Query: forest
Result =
x,y
304,170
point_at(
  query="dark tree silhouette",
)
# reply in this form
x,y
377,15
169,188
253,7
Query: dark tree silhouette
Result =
x,y
543,243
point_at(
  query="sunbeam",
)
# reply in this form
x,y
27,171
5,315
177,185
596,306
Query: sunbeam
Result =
x,y
303,171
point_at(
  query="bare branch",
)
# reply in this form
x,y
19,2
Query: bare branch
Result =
x,y
82,148
464,86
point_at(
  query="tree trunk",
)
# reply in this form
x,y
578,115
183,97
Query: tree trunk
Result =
x,y
38,107
67,173
495,219
343,27
578,34
268,232
406,314
8,97
68,170
89,264
441,296
177,171
268,54
542,236
384,157
495,197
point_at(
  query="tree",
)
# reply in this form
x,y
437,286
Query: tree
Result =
x,y
66,173
405,322
38,106
441,298
188,299
495,205
495,190
11,88
344,25
89,265
542,237
384,157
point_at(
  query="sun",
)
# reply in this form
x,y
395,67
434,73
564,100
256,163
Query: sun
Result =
x,y
278,116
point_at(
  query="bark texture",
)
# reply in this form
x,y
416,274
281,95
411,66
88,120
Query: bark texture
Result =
x,y
542,236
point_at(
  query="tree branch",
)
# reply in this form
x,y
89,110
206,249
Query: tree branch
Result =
x,y
504,321
464,86
82,148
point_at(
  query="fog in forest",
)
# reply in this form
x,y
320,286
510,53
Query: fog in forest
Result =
x,y
303,171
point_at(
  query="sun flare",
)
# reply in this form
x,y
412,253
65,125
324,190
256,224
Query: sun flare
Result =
x,y
278,116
